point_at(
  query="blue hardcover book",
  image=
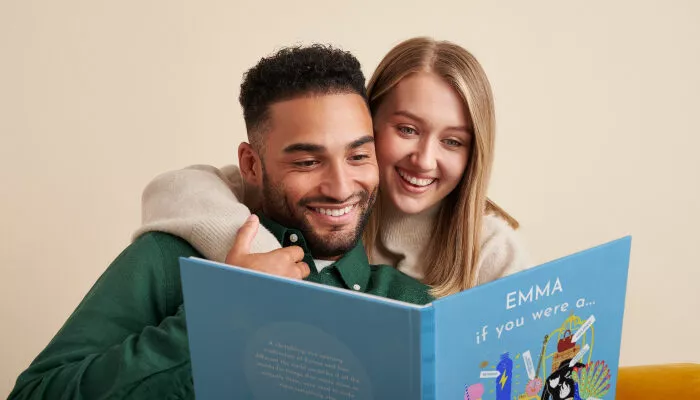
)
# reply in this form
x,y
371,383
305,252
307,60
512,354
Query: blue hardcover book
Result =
x,y
550,332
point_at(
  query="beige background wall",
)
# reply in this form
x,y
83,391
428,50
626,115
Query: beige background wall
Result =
x,y
597,106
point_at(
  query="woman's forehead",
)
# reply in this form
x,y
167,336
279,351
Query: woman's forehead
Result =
x,y
428,97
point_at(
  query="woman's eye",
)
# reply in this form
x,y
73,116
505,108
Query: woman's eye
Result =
x,y
452,142
407,130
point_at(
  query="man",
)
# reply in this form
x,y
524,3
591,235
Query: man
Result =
x,y
311,154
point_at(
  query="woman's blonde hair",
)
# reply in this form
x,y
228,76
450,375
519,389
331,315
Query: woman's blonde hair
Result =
x,y
453,253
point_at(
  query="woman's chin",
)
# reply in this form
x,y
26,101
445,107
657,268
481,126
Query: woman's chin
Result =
x,y
409,205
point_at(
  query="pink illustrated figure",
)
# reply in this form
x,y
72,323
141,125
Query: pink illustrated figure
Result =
x,y
533,387
474,392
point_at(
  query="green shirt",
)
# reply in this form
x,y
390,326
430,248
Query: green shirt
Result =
x,y
128,337
353,270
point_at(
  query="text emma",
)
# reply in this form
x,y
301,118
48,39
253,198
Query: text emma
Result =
x,y
536,292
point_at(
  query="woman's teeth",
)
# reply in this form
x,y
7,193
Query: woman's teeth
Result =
x,y
415,181
336,212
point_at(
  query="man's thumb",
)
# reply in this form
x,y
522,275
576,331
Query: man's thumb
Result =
x,y
244,238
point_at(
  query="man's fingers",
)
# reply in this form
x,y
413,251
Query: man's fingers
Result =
x,y
303,269
244,238
292,254
290,262
298,270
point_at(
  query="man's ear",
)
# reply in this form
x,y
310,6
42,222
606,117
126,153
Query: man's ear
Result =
x,y
250,164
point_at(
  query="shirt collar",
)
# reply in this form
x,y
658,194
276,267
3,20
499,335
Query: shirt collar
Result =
x,y
353,267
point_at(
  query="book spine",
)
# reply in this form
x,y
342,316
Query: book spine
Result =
x,y
427,356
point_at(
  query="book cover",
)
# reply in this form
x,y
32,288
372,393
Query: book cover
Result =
x,y
258,336
550,332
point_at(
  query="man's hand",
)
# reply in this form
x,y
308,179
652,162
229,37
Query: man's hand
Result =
x,y
285,262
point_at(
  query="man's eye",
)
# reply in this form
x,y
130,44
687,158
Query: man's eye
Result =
x,y
305,163
359,157
407,130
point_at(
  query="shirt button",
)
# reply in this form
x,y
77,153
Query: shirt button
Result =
x,y
356,286
293,238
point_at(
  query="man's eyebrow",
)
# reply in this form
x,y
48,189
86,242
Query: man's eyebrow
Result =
x,y
304,147
359,142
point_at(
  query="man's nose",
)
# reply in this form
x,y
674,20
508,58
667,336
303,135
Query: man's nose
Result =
x,y
337,182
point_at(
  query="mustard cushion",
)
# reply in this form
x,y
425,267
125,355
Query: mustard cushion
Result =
x,y
663,381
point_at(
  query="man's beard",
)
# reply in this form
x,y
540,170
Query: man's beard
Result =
x,y
334,244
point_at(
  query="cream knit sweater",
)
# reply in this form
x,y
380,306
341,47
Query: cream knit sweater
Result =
x,y
201,205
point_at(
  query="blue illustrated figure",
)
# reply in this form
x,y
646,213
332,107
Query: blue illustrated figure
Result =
x,y
503,382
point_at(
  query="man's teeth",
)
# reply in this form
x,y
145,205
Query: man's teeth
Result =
x,y
415,181
336,212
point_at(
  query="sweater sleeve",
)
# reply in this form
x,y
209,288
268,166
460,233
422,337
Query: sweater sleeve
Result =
x,y
203,205
502,250
126,339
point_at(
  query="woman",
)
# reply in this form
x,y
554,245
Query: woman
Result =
x,y
434,124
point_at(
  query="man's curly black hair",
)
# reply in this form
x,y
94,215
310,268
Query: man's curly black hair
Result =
x,y
295,72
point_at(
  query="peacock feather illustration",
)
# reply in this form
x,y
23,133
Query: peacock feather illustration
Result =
x,y
593,380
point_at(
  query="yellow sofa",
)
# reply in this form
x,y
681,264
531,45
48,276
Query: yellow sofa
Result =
x,y
662,382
